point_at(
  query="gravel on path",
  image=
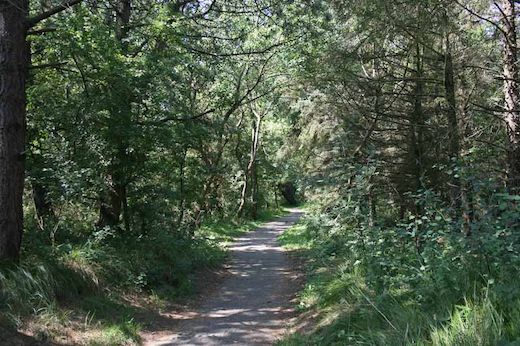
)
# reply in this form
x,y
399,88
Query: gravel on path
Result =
x,y
253,305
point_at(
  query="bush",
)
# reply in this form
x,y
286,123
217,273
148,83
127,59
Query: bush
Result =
x,y
419,280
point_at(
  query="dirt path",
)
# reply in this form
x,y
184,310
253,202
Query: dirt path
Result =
x,y
253,305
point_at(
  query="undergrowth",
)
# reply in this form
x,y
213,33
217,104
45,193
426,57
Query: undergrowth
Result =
x,y
417,282
58,285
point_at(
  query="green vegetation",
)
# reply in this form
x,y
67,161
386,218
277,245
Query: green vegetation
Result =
x,y
405,136
135,140
453,294
97,287
223,232
138,136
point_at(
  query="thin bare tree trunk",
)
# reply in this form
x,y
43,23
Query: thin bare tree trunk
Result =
x,y
417,125
181,188
453,126
255,191
511,94
251,167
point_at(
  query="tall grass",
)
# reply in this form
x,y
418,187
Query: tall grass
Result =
x,y
32,289
88,274
371,294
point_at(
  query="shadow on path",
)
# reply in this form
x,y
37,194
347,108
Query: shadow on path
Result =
x,y
253,305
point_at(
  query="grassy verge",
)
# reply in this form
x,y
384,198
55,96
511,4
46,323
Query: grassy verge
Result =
x,y
224,231
345,303
98,291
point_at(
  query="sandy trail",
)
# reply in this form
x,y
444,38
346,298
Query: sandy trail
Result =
x,y
253,305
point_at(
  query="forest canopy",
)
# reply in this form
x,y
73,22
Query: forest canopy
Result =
x,y
128,128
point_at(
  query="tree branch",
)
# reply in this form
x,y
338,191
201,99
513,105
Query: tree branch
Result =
x,y
48,65
481,17
40,31
175,118
236,54
32,21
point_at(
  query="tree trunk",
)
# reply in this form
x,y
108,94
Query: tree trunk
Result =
x,y
114,203
127,220
372,207
467,191
417,124
254,191
111,204
511,94
453,126
13,75
243,195
181,188
250,172
42,202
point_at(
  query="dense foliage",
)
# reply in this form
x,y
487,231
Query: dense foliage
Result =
x,y
413,238
152,131
143,127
